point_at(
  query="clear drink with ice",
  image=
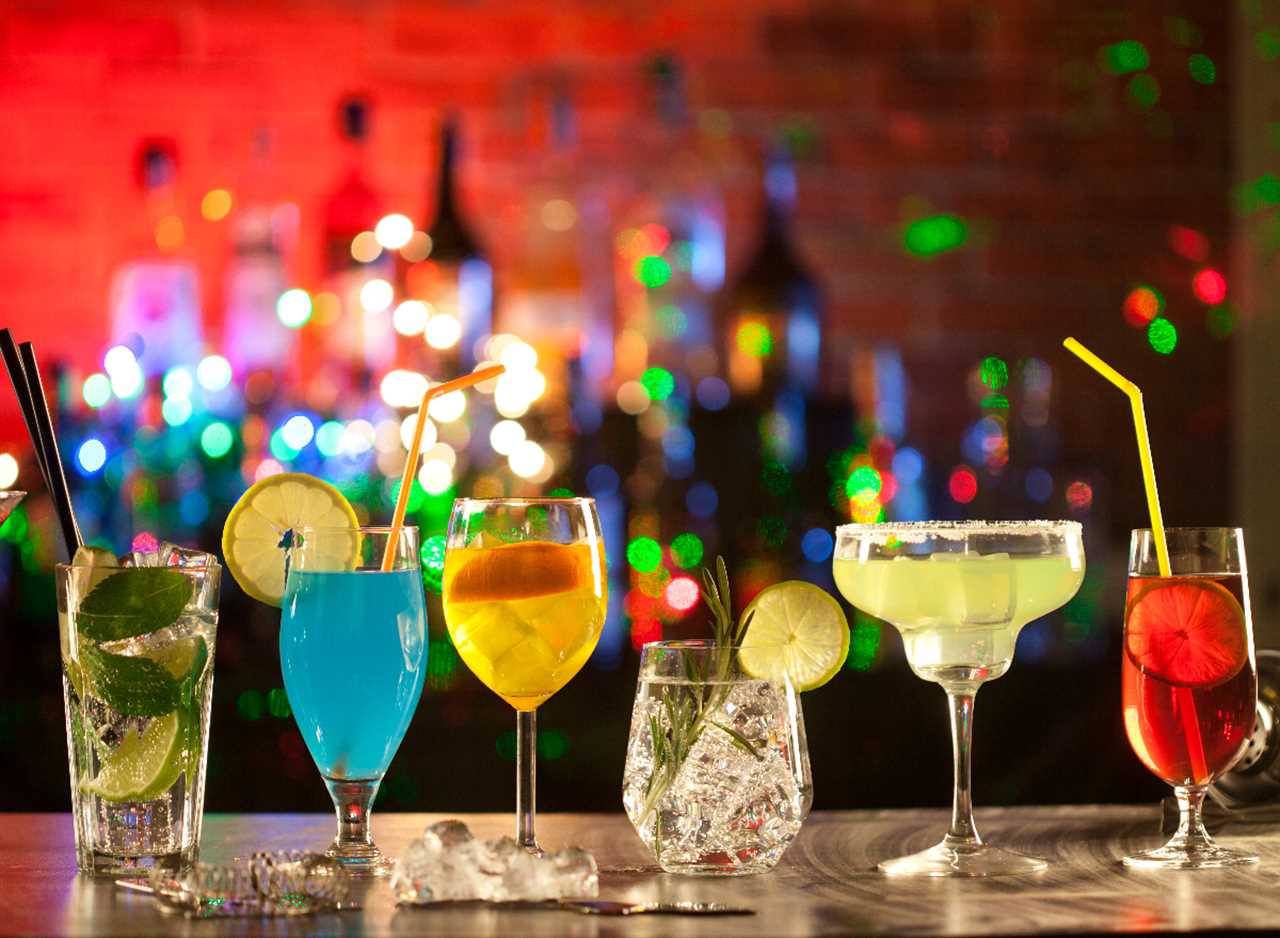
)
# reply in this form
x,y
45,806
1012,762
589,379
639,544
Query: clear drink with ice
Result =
x,y
137,648
717,769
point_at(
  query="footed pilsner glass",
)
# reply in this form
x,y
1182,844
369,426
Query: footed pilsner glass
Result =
x,y
717,772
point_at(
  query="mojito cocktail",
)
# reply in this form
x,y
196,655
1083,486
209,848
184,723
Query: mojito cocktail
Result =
x,y
137,656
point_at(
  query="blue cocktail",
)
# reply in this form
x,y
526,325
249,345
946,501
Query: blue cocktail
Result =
x,y
353,650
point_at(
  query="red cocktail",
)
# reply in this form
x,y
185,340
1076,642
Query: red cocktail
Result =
x,y
1188,681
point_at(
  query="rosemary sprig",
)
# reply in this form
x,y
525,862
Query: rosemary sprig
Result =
x,y
688,716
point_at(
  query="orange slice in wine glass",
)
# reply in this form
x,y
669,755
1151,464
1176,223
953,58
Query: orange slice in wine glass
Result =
x,y
1187,631
518,571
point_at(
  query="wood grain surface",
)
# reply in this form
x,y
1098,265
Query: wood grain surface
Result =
x,y
826,885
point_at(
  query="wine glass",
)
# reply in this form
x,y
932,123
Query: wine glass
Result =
x,y
353,650
959,592
1188,678
525,594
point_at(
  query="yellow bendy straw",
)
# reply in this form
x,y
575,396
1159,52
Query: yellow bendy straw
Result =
x,y
411,461
1190,722
1134,393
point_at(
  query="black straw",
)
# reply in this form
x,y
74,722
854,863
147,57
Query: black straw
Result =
x,y
49,446
18,375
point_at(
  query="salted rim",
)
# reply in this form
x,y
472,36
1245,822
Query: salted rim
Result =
x,y
915,532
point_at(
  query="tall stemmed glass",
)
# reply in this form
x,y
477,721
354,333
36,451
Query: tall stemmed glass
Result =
x,y
959,593
353,650
1188,678
525,592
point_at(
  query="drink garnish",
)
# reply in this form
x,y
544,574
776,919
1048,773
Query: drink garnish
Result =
x,y
1186,631
521,570
145,764
130,684
131,602
255,534
798,633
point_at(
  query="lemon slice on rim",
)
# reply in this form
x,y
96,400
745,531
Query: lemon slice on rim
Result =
x,y
797,632
288,501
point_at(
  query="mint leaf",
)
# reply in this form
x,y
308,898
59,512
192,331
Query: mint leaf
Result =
x,y
133,686
133,602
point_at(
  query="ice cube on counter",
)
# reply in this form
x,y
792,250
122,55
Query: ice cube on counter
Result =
x,y
447,863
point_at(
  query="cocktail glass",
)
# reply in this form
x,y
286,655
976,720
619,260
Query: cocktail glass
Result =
x,y
353,651
525,594
959,593
137,658
1188,677
717,779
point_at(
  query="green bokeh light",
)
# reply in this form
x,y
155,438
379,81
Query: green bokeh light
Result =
x,y
864,483
216,440
1144,91
432,556
937,234
1202,69
994,372
864,643
652,271
687,549
1121,58
552,744
659,382
251,705
278,703
1267,43
1220,320
1163,335
644,554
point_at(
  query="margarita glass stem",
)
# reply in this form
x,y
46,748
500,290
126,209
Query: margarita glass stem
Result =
x,y
963,831
526,778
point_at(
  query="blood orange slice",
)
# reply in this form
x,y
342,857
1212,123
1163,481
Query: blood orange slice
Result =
x,y
1187,631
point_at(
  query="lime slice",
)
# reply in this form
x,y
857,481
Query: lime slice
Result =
x,y
798,632
145,764
252,535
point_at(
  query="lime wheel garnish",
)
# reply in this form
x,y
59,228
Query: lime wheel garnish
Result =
x,y
1186,631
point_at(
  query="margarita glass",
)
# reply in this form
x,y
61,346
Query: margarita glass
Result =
x,y
959,593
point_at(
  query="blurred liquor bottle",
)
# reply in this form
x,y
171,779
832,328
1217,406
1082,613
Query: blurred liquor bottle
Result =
x,y
353,332
155,294
264,235
454,278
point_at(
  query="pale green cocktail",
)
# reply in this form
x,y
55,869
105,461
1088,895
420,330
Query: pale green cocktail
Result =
x,y
959,614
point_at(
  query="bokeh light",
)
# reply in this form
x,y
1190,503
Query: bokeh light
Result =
x,y
644,554
682,593
753,338
376,295
1202,69
937,234
393,231
1209,286
1162,335
652,271
994,372
365,247
713,393
446,408
298,431
410,317
215,205
658,383
96,390
963,485
1079,496
1142,304
92,455
817,545
506,435
527,459
1121,58
176,410
293,308
687,550
216,439
213,372
443,331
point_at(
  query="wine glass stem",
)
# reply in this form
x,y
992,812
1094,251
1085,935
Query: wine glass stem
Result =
x,y
1191,830
526,773
962,827
352,801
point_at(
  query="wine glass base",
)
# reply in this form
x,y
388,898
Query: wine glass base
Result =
x,y
1200,856
962,859
364,861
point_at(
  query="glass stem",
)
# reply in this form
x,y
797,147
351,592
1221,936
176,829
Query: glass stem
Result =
x,y
526,777
962,830
1191,833
352,800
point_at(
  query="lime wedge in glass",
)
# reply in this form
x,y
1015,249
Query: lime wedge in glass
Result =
x,y
145,764
797,632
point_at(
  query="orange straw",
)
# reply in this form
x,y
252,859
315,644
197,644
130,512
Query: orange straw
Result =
x,y
411,461
1186,704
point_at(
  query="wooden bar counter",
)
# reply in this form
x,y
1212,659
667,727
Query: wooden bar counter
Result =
x,y
826,885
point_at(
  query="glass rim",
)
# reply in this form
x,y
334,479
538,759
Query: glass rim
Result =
x,y
1192,528
181,568
707,644
10,493
548,500
959,527
363,528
